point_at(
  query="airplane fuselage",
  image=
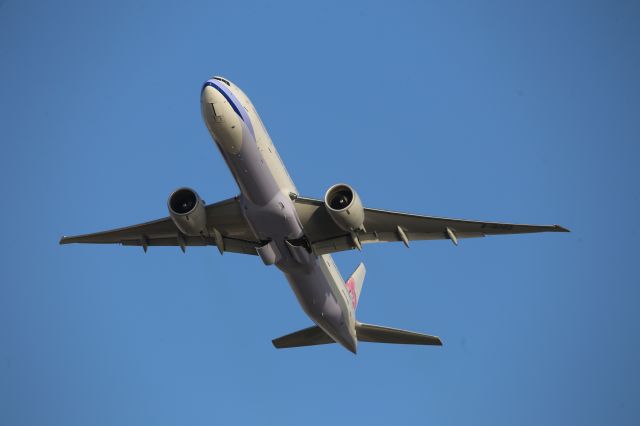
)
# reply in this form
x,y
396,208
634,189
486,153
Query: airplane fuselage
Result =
x,y
267,200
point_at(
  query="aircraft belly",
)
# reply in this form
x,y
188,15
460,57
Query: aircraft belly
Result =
x,y
314,280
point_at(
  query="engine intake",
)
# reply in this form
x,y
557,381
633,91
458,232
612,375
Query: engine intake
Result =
x,y
345,208
187,211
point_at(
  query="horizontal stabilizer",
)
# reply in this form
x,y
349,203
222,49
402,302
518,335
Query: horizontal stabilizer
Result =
x,y
365,332
308,337
378,334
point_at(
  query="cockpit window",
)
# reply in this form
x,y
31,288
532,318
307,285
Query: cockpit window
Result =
x,y
222,80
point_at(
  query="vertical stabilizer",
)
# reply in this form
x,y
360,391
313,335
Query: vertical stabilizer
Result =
x,y
354,284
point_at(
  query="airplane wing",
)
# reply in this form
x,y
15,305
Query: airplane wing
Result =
x,y
383,226
227,229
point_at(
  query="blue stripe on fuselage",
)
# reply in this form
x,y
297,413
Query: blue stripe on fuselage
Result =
x,y
233,101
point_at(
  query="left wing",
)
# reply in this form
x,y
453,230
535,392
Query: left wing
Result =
x,y
382,226
226,225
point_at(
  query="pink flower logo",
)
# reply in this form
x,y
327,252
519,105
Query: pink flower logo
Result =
x,y
351,288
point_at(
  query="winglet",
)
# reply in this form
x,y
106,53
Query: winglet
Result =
x,y
559,228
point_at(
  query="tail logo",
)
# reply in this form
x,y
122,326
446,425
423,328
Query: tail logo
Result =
x,y
351,288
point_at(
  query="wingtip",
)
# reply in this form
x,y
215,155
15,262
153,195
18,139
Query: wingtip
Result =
x,y
561,228
66,240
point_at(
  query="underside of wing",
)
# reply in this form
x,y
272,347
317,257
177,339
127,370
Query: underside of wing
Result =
x,y
226,228
385,226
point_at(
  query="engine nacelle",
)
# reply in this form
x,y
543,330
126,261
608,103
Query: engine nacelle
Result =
x,y
344,207
187,211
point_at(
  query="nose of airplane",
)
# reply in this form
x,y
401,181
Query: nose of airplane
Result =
x,y
221,118
209,95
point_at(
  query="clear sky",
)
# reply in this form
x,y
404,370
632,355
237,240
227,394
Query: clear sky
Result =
x,y
505,111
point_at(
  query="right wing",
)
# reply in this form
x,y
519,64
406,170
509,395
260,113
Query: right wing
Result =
x,y
227,229
384,226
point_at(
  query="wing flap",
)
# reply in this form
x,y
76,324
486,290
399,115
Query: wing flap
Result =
x,y
231,245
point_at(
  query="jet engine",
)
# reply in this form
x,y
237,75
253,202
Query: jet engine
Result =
x,y
187,211
345,208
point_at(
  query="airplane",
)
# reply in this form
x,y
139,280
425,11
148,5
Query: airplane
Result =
x,y
270,219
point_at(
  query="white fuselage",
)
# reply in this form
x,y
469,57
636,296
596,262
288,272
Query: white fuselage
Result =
x,y
267,199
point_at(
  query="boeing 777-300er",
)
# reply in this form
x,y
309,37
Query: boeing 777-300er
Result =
x,y
297,234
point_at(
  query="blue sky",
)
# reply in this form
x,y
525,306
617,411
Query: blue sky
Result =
x,y
506,111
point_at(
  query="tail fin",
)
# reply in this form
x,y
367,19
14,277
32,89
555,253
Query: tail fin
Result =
x,y
354,284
